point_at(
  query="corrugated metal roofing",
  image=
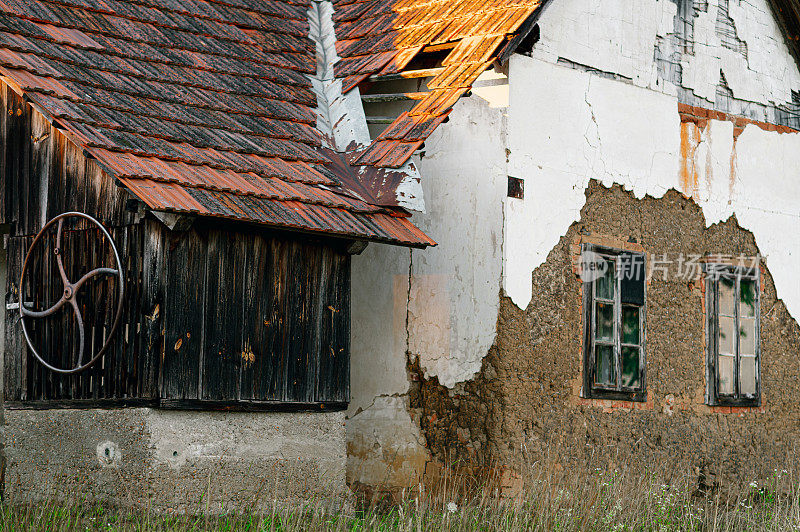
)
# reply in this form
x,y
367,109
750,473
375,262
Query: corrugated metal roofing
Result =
x,y
383,36
200,106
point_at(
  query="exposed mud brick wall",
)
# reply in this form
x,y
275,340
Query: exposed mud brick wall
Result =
x,y
525,404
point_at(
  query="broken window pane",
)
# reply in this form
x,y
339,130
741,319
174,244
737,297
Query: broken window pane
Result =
x,y
605,284
630,367
726,374
747,297
630,325
605,372
726,295
726,335
747,375
605,322
747,336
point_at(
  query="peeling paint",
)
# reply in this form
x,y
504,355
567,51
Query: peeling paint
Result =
x,y
545,149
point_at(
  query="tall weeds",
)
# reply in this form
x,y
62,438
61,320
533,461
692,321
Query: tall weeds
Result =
x,y
551,500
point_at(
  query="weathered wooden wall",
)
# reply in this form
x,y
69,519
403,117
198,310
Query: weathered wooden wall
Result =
x,y
253,317
216,316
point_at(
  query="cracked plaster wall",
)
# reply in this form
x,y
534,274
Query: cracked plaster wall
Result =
x,y
560,127
633,136
622,38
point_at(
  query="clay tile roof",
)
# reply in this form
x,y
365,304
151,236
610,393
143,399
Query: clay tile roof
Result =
x,y
383,36
196,106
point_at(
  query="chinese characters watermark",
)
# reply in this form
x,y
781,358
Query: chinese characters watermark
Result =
x,y
592,265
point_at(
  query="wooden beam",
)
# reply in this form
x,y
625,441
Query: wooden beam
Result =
x,y
408,74
175,221
393,97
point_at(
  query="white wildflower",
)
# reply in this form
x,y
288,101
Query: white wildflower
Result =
x,y
452,507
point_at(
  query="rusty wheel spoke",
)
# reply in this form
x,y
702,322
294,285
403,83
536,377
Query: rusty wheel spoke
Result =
x,y
94,273
79,319
57,252
42,313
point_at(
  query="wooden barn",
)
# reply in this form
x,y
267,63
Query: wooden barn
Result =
x,y
194,144
183,184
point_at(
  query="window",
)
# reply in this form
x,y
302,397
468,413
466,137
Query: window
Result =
x,y
614,323
732,306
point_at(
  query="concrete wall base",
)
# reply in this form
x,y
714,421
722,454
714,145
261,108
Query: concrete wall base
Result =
x,y
191,462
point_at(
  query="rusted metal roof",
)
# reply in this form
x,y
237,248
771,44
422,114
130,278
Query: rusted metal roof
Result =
x,y
382,37
200,106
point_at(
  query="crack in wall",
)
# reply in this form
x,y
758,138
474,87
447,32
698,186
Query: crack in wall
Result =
x,y
599,144
408,302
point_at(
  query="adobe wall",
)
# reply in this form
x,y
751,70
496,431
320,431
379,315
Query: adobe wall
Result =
x,y
609,94
182,461
525,404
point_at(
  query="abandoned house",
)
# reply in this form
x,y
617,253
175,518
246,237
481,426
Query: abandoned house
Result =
x,y
301,245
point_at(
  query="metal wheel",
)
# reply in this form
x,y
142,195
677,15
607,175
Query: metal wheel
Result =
x,y
70,293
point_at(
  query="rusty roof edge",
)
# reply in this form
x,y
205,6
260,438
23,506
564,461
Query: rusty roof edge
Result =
x,y
343,123
399,188
328,233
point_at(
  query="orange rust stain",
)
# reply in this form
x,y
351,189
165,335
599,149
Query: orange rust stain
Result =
x,y
690,138
732,178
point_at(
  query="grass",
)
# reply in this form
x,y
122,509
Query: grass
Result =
x,y
606,500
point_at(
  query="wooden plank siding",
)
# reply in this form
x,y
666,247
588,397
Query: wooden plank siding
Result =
x,y
222,315
259,328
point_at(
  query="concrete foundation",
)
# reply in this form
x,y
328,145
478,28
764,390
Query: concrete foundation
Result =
x,y
183,461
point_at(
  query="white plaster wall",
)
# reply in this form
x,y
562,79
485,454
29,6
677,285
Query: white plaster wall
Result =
x,y
590,127
455,286
378,339
620,37
444,313
766,76
603,129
